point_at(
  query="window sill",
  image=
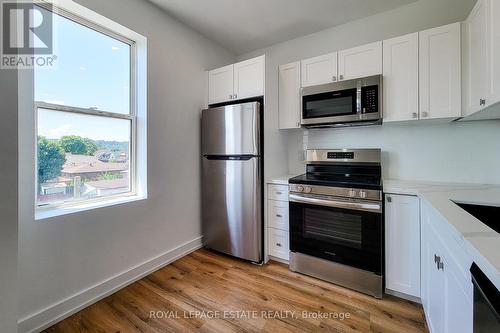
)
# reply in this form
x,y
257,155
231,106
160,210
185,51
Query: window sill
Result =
x,y
47,213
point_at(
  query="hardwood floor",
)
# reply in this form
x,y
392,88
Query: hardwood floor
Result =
x,y
208,292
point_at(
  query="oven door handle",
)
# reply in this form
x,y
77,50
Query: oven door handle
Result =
x,y
363,206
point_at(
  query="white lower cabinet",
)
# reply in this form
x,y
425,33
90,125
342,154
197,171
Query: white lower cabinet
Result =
x,y
278,243
402,244
447,291
277,221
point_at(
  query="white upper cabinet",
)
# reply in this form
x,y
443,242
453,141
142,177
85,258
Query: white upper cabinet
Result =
x,y
241,80
289,95
220,85
249,78
402,244
319,70
360,61
401,78
440,72
494,19
478,59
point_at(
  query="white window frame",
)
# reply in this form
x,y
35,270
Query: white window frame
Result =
x,y
137,116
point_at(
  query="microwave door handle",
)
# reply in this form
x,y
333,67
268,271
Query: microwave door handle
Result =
x,y
363,206
358,97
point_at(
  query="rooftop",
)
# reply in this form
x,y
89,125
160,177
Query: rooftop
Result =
x,y
76,164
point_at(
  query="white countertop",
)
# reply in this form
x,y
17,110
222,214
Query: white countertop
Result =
x,y
480,241
412,187
280,180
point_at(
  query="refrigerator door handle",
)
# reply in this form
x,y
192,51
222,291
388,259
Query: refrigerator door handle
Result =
x,y
229,158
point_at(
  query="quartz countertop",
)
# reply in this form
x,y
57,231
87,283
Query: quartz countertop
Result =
x,y
413,187
279,180
481,242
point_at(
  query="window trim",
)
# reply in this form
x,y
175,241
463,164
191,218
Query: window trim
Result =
x,y
138,112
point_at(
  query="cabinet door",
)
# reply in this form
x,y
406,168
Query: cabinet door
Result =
x,y
402,244
494,21
220,85
249,78
459,301
277,214
289,95
401,78
319,70
360,61
279,244
433,282
440,72
477,40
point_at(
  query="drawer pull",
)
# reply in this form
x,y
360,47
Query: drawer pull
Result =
x,y
279,193
278,244
440,266
278,215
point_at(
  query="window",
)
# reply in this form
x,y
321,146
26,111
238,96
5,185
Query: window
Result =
x,y
90,114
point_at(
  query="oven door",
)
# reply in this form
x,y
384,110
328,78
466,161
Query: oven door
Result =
x,y
344,231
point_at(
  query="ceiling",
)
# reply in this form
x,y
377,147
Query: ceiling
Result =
x,y
247,25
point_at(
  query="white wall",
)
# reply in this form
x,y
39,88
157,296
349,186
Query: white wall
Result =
x,y
8,201
62,257
448,152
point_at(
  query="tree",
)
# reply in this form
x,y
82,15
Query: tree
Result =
x,y
77,145
51,159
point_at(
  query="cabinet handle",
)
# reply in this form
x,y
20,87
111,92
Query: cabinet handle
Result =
x,y
437,259
389,199
414,115
425,114
482,101
278,244
440,266
235,96
334,78
341,77
279,193
278,215
230,96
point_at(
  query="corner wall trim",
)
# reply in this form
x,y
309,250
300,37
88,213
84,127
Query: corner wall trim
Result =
x,y
56,312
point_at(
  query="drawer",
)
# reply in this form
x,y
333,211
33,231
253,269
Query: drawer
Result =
x,y
277,214
277,192
278,243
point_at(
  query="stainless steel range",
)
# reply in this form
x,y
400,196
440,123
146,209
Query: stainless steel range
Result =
x,y
336,219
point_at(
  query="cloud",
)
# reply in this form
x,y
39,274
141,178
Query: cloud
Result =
x,y
56,133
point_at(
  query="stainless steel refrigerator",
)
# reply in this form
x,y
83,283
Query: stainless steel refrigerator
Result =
x,y
232,180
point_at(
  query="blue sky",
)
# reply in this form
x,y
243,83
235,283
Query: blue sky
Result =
x,y
92,70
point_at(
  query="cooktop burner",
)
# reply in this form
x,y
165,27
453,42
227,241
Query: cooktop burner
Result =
x,y
350,181
356,168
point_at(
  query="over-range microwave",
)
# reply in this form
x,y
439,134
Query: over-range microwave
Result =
x,y
355,102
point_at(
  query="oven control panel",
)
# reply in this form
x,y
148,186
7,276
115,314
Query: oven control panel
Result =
x,y
340,155
350,193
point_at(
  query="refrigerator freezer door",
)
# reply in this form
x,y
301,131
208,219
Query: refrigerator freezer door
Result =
x,y
231,130
232,213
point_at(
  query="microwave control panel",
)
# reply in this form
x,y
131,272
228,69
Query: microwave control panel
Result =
x,y
369,99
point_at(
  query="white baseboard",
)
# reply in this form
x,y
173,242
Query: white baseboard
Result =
x,y
403,296
56,312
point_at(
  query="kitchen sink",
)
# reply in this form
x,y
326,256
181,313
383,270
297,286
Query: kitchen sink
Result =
x,y
489,215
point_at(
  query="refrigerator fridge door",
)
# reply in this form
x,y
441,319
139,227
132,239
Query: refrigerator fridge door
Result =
x,y
231,130
232,213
